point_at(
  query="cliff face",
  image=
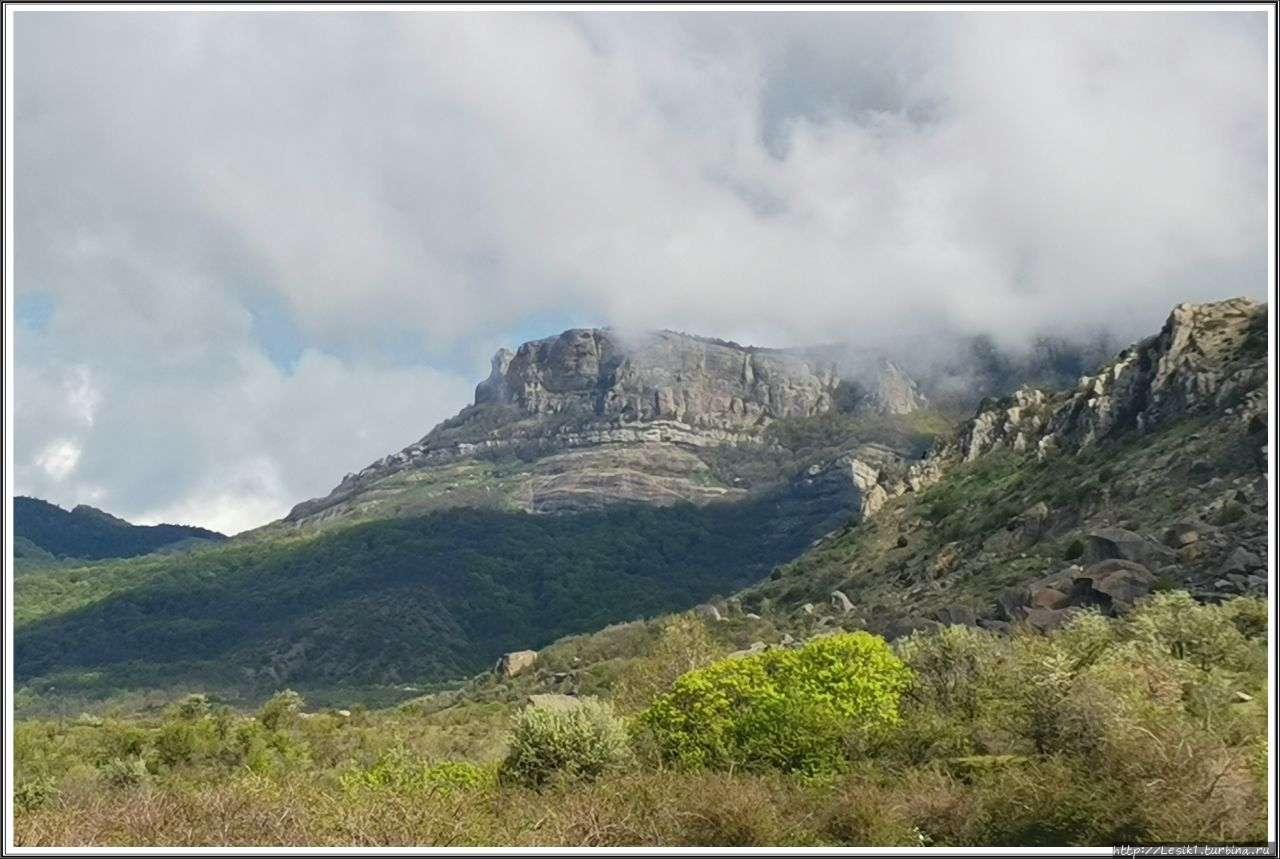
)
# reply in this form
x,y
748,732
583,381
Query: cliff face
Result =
x,y
601,418
592,418
1207,357
658,376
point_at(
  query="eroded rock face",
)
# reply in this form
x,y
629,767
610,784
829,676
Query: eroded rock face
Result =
x,y
597,477
1207,357
895,392
658,376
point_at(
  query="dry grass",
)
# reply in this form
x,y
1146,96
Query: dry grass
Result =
x,y
1047,802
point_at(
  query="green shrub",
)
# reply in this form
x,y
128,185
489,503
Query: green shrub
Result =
x,y
280,710
192,707
792,710
33,793
579,741
122,773
1248,614
1203,635
395,768
683,644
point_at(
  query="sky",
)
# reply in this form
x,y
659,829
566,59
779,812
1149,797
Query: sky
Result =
x,y
254,251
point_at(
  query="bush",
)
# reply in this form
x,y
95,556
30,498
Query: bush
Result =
x,y
580,741
33,793
280,710
684,644
120,773
792,710
397,770
1206,636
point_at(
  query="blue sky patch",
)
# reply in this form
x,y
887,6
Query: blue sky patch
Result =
x,y
33,310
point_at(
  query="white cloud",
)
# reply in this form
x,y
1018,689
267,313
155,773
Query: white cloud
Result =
x,y
59,459
776,178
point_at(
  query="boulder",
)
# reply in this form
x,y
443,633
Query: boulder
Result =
x,y
903,627
756,647
1060,581
1122,544
511,664
840,602
999,627
1047,619
1113,585
956,615
1012,604
1241,560
1049,598
1033,523
708,612
1182,534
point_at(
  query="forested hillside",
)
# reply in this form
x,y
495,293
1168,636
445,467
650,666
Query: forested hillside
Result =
x,y
89,534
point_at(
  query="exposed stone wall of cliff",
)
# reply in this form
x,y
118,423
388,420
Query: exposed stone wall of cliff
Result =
x,y
658,376
1206,358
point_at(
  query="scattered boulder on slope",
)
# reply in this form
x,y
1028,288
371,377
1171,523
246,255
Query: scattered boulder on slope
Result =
x,y
1113,585
1120,543
511,664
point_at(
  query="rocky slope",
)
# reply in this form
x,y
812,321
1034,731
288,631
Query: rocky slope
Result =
x,y
1149,473
1208,357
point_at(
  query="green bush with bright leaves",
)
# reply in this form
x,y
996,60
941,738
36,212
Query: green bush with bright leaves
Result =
x,y
549,742
790,710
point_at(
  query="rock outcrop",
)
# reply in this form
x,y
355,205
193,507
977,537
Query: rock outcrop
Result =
x,y
894,392
511,664
613,419
658,376
1207,357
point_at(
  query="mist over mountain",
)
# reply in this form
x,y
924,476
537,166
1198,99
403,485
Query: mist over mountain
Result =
x,y
198,240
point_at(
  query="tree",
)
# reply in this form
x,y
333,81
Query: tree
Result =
x,y
791,710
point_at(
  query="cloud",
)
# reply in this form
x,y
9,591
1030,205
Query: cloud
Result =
x,y
273,246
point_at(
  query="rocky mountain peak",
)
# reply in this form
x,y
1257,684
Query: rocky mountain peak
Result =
x,y
658,376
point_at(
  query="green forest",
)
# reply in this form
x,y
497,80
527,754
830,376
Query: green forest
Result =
x,y
426,598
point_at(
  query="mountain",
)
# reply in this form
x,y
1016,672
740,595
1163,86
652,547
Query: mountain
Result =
x,y
599,479
42,529
1148,474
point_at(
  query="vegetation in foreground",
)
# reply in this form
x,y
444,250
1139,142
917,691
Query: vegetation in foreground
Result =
x,y
1150,727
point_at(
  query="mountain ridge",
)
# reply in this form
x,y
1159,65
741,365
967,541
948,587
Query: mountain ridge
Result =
x,y
87,533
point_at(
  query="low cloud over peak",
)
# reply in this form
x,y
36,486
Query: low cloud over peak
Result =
x,y
441,178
